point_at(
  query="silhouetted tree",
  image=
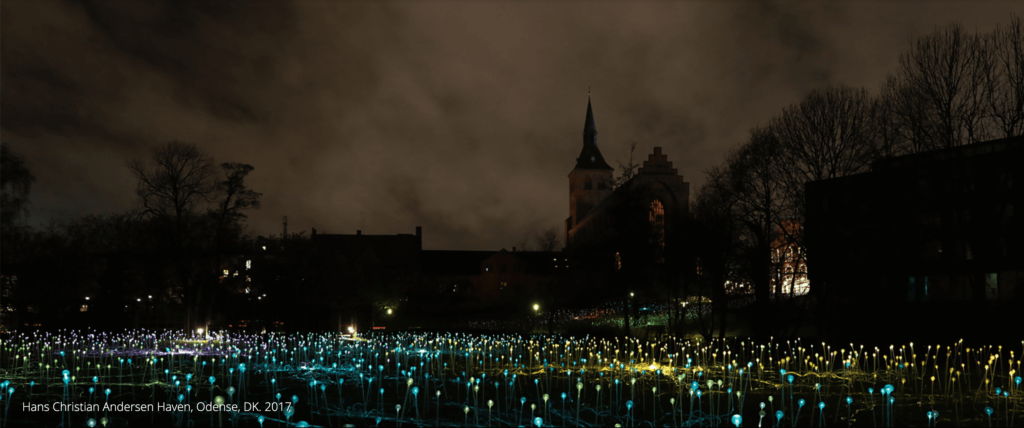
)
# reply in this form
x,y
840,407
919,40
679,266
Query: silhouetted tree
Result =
x,y
15,184
760,203
1005,81
549,240
715,241
938,96
826,135
232,196
628,170
177,183
173,189
524,243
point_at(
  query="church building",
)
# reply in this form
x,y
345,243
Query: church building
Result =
x,y
656,189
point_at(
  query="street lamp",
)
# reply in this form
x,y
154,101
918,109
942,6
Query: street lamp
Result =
x,y
536,307
389,311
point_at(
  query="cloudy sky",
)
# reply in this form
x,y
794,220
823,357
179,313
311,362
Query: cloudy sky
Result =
x,y
461,117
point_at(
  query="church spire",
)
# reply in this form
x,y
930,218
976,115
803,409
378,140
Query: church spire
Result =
x,y
589,129
590,157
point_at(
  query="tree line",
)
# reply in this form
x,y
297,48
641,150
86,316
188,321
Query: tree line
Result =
x,y
189,217
953,87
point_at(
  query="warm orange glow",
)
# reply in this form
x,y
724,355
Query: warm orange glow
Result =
x,y
790,277
657,219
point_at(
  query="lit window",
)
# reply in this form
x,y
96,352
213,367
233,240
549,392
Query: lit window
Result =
x,y
84,308
225,272
657,219
248,264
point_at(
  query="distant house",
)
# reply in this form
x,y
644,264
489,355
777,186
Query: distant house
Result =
x,y
789,276
922,229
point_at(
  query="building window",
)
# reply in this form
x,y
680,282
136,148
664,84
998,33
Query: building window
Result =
x,y
917,289
587,185
487,268
618,261
657,219
84,308
991,286
503,267
1006,213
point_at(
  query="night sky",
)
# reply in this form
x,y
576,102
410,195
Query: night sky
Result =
x,y
461,117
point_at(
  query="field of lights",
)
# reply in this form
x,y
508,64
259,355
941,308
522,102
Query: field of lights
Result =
x,y
141,378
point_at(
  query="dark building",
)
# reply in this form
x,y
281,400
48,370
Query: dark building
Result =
x,y
657,190
394,252
486,275
926,232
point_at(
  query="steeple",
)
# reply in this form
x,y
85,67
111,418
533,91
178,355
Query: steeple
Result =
x,y
590,157
589,129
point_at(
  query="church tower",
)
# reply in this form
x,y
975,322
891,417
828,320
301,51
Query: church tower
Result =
x,y
591,180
